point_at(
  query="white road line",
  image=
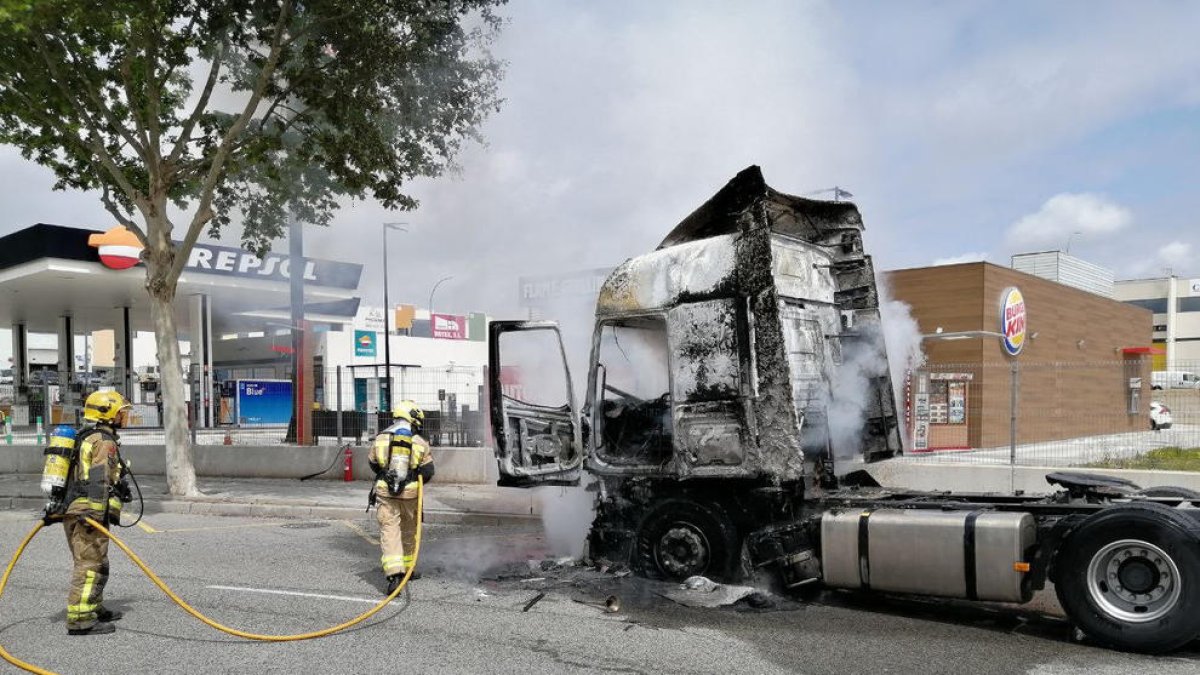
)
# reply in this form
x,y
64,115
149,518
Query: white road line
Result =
x,y
268,591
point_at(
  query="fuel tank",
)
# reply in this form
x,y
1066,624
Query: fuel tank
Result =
x,y
977,555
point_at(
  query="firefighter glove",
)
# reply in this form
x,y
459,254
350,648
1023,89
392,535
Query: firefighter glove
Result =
x,y
121,490
425,471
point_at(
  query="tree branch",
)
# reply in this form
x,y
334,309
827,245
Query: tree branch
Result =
x,y
113,208
93,129
217,168
201,105
93,93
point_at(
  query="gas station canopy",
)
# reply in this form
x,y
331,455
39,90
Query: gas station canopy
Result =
x,y
49,271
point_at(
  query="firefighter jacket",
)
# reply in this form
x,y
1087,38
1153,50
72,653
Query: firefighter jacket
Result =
x,y
97,467
398,456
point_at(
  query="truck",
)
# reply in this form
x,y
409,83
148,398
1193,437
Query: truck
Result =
x,y
737,394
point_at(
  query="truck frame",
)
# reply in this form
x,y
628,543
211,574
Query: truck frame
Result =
x,y
737,394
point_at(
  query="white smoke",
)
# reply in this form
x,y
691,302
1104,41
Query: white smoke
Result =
x,y
850,392
902,339
892,346
567,514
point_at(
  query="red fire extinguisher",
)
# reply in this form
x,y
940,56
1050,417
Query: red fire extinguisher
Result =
x,y
348,466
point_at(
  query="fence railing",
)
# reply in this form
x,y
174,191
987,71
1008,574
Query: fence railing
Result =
x,y
253,406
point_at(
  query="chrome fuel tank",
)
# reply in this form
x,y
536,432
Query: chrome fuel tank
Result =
x,y
978,555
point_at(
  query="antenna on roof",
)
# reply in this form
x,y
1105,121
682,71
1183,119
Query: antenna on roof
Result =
x,y
838,193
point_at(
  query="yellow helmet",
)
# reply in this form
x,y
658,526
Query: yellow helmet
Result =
x,y
104,406
407,410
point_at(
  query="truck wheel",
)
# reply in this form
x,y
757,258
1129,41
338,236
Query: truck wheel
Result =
x,y
682,538
1129,578
1170,491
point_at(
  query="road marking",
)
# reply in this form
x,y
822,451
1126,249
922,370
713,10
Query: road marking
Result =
x,y
360,532
145,527
322,596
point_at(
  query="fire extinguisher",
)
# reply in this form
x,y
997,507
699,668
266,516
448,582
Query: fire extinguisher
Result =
x,y
348,466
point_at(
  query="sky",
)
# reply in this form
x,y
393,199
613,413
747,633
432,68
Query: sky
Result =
x,y
965,130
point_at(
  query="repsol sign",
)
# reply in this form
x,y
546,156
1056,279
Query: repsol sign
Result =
x,y
237,262
119,249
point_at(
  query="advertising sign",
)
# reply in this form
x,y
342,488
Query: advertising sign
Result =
x,y
449,327
1194,286
120,249
1012,320
264,402
369,319
364,343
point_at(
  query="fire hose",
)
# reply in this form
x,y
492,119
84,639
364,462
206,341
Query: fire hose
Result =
x,y
196,613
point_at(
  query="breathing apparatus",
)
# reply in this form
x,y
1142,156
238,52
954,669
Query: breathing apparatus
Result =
x,y
60,455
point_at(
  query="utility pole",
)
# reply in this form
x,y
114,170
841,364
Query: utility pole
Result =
x,y
296,287
387,322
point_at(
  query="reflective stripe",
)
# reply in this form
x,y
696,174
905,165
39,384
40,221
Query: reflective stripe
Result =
x,y
408,560
96,506
86,593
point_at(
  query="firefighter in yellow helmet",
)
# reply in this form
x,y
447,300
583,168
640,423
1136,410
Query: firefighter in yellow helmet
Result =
x,y
399,456
92,485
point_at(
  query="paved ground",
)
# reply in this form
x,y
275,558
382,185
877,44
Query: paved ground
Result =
x,y
284,576
444,502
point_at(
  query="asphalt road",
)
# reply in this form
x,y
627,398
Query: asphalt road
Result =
x,y
278,576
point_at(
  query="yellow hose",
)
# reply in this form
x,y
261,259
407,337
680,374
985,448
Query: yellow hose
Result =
x,y
191,610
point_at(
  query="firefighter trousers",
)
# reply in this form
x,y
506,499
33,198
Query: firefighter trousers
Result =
x,y
397,533
89,551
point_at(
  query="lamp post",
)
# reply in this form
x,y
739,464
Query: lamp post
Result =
x,y
434,290
387,308
1013,385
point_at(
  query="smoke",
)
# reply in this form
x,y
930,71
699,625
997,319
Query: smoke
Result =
x,y
902,338
850,392
567,514
892,347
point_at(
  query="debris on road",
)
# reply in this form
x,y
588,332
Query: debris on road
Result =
x,y
536,599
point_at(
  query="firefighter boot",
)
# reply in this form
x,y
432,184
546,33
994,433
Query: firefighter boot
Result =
x,y
109,615
100,628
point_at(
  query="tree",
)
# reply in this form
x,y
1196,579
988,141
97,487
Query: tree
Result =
x,y
239,110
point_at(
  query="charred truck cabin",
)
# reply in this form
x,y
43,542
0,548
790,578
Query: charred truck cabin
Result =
x,y
706,427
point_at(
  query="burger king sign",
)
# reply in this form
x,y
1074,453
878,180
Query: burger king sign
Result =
x,y
1012,320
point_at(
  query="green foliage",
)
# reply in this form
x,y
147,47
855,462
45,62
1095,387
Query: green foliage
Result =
x,y
243,109
1162,459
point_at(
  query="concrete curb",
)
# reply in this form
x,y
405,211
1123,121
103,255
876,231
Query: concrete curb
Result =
x,y
210,507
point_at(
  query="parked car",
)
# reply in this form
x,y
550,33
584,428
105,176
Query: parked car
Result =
x,y
40,377
1160,416
1174,379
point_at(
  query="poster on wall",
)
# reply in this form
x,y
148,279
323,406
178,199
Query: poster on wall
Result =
x,y
264,402
449,327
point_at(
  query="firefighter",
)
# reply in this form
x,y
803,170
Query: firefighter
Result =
x,y
399,456
93,489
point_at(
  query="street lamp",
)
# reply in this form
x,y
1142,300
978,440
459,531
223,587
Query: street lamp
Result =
x,y
434,290
387,308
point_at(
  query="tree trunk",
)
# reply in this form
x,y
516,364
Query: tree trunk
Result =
x,y
159,254
181,475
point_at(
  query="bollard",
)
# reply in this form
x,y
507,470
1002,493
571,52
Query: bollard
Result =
x,y
39,431
348,466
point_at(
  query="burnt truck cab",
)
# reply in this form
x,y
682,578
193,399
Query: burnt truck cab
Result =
x,y
732,366
709,382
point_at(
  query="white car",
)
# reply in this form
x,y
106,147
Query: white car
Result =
x,y
1160,416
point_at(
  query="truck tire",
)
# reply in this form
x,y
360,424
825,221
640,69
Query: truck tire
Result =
x,y
1170,491
681,538
1129,578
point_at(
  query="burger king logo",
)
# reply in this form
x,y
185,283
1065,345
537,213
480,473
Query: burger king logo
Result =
x,y
1012,320
119,248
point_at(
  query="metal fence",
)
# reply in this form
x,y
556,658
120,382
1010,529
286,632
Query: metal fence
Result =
x,y
1116,414
253,405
